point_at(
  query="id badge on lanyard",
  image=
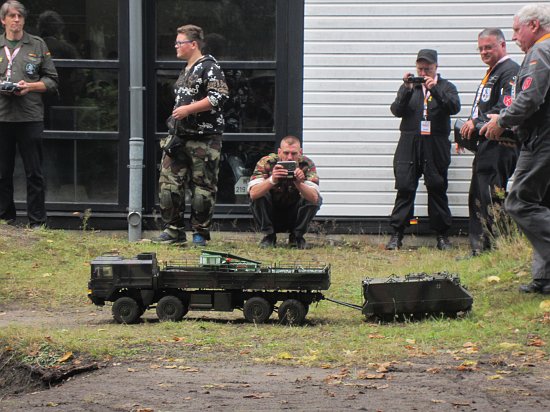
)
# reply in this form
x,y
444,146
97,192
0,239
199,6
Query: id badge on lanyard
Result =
x,y
425,125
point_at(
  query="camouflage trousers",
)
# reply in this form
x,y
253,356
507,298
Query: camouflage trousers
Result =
x,y
193,166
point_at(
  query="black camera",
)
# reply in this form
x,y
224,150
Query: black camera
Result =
x,y
416,79
8,87
290,167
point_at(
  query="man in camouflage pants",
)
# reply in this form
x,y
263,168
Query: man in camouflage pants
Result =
x,y
192,149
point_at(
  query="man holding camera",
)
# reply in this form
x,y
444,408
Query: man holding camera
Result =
x,y
284,194
424,103
493,163
27,71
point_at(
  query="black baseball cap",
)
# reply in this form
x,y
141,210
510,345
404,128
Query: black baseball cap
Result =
x,y
427,54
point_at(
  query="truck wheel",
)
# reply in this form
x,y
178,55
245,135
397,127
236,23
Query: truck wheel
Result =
x,y
170,308
257,310
292,312
126,310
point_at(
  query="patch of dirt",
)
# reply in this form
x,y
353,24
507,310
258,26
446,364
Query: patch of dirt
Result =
x,y
187,380
173,385
12,235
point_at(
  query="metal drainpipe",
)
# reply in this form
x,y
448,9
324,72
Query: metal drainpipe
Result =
x,y
136,122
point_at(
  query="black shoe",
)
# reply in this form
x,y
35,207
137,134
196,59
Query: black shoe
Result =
x,y
297,241
443,243
268,241
395,241
536,286
170,237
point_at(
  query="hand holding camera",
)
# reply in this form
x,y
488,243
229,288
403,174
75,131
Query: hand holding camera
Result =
x,y
286,171
7,87
415,79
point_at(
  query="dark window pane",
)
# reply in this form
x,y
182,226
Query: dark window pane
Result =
x,y
83,29
237,164
76,171
97,170
87,101
250,108
234,30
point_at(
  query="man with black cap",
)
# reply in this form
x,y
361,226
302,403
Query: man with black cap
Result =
x,y
424,103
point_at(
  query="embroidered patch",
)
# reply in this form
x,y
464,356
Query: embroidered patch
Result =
x,y
532,62
32,55
527,83
30,69
486,94
507,100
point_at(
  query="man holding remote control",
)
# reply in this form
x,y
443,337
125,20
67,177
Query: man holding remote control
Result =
x,y
26,71
284,194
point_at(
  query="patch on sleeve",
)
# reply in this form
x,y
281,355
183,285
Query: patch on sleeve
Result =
x,y
532,62
507,100
527,83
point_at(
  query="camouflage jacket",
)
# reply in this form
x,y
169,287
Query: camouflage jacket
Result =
x,y
284,192
204,80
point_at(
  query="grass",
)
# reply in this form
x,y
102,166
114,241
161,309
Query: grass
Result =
x,y
49,269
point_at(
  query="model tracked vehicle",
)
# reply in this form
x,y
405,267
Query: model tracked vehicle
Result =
x,y
220,282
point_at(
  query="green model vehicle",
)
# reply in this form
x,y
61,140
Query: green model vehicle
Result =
x,y
220,282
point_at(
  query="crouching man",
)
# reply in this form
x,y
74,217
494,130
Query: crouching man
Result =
x,y
284,194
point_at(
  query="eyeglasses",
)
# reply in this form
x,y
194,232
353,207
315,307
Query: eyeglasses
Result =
x,y
489,47
179,43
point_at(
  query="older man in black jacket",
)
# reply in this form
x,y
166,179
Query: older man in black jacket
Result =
x,y
424,104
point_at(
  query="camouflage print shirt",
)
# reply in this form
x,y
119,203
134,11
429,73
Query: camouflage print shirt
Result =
x,y
284,192
205,79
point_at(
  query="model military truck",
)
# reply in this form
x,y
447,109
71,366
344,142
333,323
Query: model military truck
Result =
x,y
220,282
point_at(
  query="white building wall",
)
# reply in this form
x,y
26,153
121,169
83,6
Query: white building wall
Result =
x,y
356,52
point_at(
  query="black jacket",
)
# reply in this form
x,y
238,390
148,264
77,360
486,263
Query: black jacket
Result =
x,y
442,103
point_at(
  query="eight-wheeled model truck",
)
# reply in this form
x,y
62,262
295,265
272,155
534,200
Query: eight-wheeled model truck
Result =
x,y
220,282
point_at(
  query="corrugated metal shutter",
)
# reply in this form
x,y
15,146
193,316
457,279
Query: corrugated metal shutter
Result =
x,y
356,52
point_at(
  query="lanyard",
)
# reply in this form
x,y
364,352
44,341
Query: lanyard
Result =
x,y
10,58
426,99
545,37
474,113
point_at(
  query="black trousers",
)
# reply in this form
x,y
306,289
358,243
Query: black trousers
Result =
x,y
27,138
417,156
271,217
493,165
529,200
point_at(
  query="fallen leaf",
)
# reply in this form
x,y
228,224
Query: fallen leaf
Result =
x,y
170,366
493,279
132,370
410,341
536,342
65,357
271,374
433,370
46,275
494,377
285,355
365,375
545,305
437,401
52,404
376,336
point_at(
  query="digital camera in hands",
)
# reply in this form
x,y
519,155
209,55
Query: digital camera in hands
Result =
x,y
416,79
8,87
290,166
